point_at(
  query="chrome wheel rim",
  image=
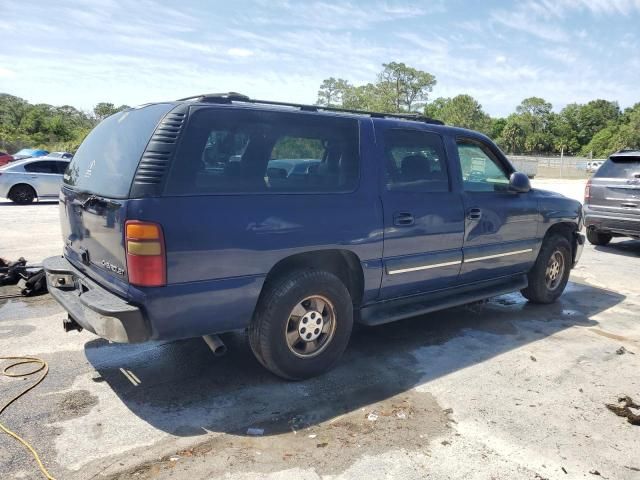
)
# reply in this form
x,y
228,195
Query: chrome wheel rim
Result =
x,y
555,270
311,326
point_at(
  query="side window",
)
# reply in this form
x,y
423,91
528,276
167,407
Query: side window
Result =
x,y
61,167
39,167
481,170
256,151
415,161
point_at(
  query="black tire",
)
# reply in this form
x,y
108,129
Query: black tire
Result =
x,y
273,317
22,194
541,288
598,238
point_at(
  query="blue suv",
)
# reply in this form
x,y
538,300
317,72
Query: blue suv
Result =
x,y
218,213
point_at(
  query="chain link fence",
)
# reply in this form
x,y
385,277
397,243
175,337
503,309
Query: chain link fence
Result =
x,y
552,167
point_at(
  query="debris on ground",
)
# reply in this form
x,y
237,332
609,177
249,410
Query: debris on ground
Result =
x,y
622,351
30,279
623,409
256,432
372,417
533,359
595,472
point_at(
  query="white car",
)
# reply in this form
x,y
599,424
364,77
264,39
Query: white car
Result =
x,y
25,180
594,166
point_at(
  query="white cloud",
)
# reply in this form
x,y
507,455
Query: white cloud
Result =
x,y
239,52
6,73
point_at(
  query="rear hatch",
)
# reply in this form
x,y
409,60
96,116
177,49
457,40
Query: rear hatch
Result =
x,y
95,192
615,187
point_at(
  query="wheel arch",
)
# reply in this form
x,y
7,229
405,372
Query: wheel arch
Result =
x,y
22,184
566,229
344,264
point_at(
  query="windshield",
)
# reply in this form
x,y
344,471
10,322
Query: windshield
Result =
x,y
620,167
107,160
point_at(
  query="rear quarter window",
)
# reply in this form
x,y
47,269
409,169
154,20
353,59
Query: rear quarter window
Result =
x,y
621,167
251,151
107,160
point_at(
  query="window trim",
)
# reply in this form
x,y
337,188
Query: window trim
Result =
x,y
383,171
198,110
503,164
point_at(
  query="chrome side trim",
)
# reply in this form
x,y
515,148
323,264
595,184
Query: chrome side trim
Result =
x,y
498,255
423,267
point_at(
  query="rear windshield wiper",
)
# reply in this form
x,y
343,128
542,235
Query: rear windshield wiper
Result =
x,y
94,198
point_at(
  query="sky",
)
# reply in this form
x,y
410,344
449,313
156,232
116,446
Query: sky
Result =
x,y
137,51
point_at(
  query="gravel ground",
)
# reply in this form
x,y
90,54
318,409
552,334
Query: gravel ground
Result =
x,y
504,390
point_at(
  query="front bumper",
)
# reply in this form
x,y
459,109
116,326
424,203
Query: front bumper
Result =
x,y
578,246
92,306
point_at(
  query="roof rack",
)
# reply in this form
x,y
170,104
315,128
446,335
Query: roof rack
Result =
x,y
238,97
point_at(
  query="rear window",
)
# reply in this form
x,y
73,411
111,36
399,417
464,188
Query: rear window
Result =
x,y
107,160
620,167
250,151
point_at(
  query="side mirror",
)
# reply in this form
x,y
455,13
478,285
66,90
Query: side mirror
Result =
x,y
519,182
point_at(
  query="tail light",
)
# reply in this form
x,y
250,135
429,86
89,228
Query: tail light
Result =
x,y
146,259
587,191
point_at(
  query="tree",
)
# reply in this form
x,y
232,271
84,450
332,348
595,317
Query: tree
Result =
x,y
332,92
406,87
462,111
513,136
103,110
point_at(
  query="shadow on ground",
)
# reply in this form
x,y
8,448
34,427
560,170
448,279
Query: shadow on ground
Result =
x,y
185,390
628,248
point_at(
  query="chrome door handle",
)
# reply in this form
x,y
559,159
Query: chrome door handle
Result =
x,y
403,219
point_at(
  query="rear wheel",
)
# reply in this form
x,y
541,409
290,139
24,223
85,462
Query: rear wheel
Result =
x,y
302,324
550,273
22,194
598,238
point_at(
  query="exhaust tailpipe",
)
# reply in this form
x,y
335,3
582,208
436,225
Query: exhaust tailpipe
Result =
x,y
69,324
216,345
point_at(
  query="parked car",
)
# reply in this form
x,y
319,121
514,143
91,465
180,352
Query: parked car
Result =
x,y
612,199
29,153
594,166
5,158
25,180
398,218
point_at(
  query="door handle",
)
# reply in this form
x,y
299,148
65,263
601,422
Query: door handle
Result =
x,y
403,219
474,214
630,205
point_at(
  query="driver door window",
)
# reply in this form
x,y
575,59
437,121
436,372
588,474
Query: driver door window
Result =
x,y
481,170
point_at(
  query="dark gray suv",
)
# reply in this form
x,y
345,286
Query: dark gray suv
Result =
x,y
612,199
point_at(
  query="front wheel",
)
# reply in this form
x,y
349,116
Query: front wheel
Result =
x,y
302,324
598,238
550,274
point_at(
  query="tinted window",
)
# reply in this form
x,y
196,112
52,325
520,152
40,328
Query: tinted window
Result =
x,y
481,170
415,161
61,167
107,159
41,167
235,151
620,167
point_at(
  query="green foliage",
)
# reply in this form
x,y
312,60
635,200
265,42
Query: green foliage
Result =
x,y
23,125
399,88
462,111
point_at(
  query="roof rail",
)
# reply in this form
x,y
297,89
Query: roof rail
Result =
x,y
218,97
238,97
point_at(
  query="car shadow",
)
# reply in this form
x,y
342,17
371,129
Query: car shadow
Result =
x,y
628,248
181,388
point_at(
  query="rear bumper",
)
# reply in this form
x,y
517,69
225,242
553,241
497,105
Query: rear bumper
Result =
x,y
612,222
92,306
